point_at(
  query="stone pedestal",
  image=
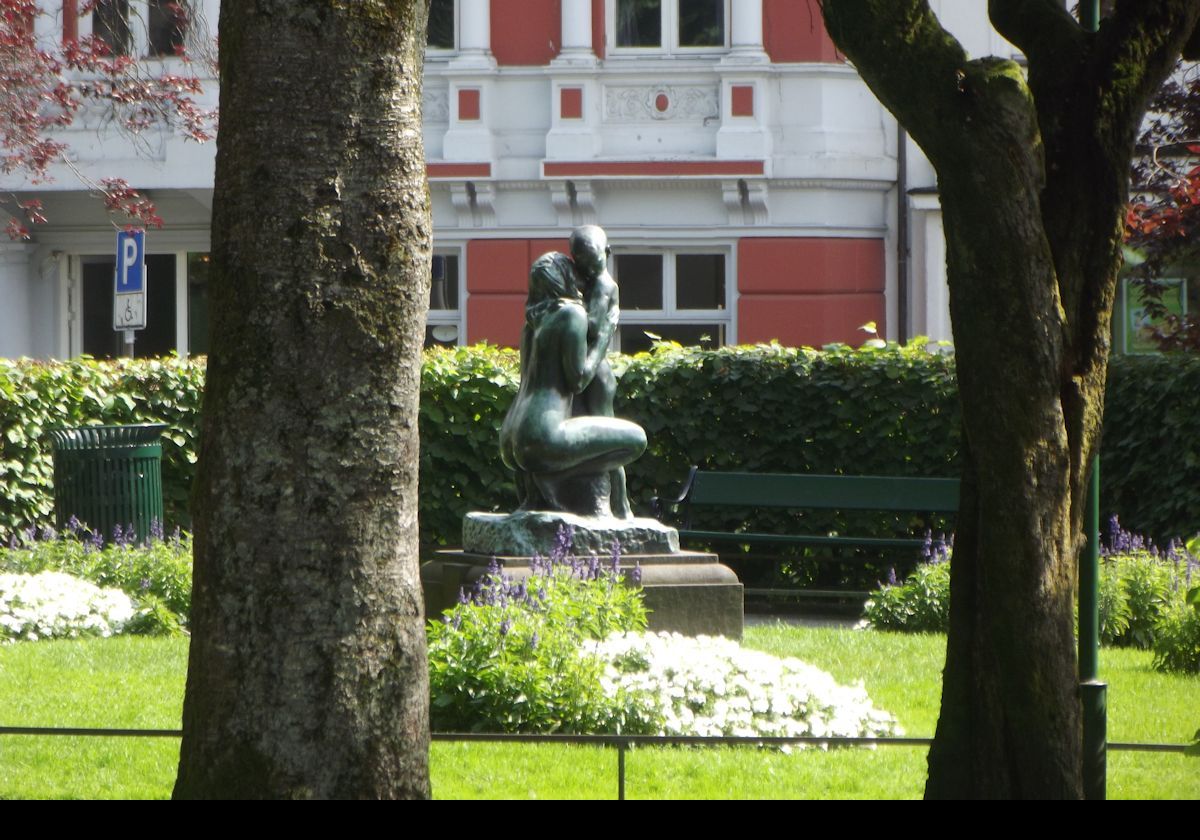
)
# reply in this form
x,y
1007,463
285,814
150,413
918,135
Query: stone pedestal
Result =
x,y
687,592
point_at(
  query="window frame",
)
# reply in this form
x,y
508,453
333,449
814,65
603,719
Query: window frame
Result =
x,y
436,53
670,314
138,38
75,303
669,11
451,317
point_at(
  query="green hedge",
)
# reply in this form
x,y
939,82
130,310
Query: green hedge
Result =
x,y
768,408
1150,459
35,397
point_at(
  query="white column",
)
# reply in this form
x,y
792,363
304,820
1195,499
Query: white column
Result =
x,y
139,28
474,33
746,35
15,317
577,30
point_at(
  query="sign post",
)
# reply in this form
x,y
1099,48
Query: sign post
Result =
x,y
129,293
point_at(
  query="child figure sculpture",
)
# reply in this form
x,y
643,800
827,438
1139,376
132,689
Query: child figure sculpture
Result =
x,y
589,252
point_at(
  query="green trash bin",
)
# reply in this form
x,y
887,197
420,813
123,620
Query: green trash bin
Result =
x,y
107,476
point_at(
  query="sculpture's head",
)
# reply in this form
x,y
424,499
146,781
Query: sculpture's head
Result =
x,y
589,250
552,276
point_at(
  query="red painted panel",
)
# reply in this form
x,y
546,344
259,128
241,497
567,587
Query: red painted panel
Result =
x,y
793,30
70,21
811,264
537,247
598,28
458,170
811,320
468,104
741,101
570,103
653,167
497,318
497,266
526,32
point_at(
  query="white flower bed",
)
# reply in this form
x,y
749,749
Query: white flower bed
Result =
x,y
55,605
712,686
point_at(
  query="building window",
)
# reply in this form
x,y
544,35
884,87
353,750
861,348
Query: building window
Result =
x,y
176,307
443,328
441,32
677,295
669,25
110,23
166,23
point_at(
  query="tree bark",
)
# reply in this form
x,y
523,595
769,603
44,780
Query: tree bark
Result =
x,y
307,675
1032,176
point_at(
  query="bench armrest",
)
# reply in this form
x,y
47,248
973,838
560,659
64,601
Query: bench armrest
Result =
x,y
660,506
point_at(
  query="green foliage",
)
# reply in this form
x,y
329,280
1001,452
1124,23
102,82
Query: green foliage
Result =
x,y
156,575
889,411
1177,635
465,393
1151,448
1142,584
767,408
1144,603
920,605
36,397
510,660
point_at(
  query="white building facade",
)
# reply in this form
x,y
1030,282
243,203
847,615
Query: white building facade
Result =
x,y
751,186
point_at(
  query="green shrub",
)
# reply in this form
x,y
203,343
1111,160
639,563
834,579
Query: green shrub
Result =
x,y
36,397
1144,600
157,575
465,393
509,659
1153,399
920,605
891,411
1177,635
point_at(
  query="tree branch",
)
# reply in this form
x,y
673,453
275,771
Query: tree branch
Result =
x,y
909,61
1038,28
1137,46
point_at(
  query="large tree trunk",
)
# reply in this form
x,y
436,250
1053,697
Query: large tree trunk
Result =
x,y
307,674
1032,178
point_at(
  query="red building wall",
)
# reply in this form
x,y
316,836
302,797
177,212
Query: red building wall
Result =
x,y
793,30
526,32
809,291
497,283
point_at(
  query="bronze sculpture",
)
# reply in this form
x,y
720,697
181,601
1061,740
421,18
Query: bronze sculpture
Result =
x,y
560,436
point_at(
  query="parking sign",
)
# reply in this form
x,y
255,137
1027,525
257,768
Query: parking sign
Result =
x,y
129,293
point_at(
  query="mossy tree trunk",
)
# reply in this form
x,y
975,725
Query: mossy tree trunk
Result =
x,y
1033,175
307,673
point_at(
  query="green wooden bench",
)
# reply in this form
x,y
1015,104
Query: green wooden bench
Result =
x,y
716,490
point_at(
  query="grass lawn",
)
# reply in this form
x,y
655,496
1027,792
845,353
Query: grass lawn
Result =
x,y
133,682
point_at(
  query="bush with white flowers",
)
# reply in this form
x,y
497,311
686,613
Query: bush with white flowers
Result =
x,y
714,687
55,605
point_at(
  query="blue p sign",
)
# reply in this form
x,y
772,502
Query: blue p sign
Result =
x,y
131,261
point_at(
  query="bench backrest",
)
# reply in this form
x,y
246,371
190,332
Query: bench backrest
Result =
x,y
824,492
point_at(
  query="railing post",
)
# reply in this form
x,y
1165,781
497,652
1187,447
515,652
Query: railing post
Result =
x,y
1092,692
621,770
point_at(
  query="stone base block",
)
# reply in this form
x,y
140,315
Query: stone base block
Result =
x,y
525,533
687,592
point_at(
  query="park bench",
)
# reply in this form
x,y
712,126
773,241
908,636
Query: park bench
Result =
x,y
716,491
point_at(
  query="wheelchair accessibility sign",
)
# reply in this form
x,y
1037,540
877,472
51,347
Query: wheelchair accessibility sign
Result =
x,y
129,294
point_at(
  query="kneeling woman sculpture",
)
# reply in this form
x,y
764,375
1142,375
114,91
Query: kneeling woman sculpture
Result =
x,y
562,462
